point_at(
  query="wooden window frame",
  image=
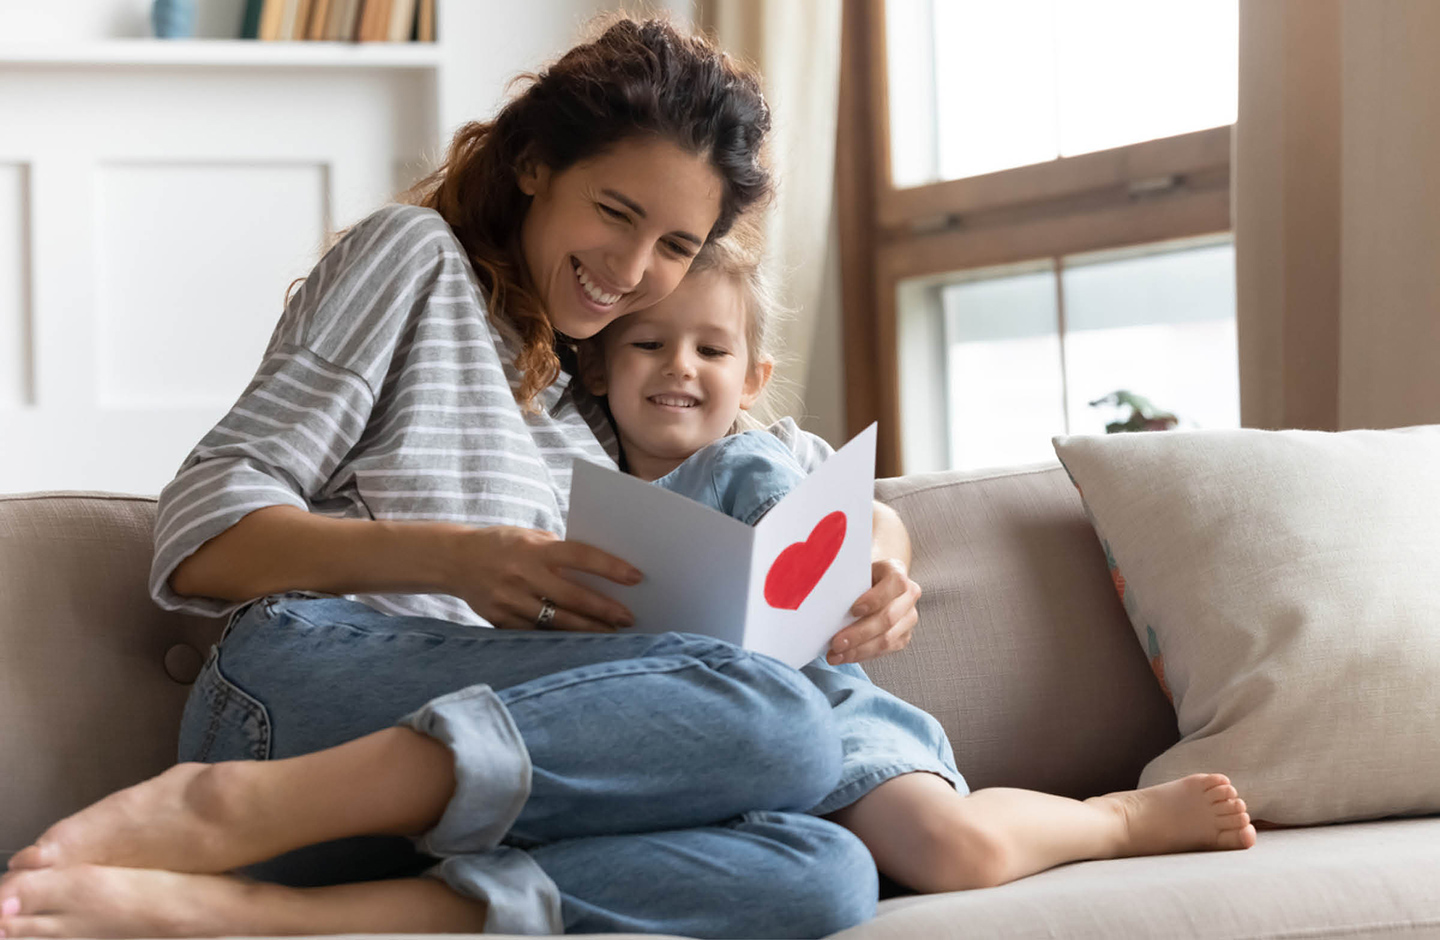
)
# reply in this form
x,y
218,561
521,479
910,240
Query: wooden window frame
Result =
x,y
1173,187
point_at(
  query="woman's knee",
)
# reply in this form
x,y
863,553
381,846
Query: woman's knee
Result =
x,y
833,883
846,886
782,722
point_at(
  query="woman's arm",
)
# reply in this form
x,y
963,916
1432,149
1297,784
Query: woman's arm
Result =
x,y
500,571
283,548
886,611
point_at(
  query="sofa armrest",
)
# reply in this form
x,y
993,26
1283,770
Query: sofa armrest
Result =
x,y
95,675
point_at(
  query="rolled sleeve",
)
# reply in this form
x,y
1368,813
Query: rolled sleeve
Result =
x,y
280,445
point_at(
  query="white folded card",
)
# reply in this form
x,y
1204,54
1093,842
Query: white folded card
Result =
x,y
782,587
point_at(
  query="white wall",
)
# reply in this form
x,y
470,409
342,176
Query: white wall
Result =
x,y
151,214
71,20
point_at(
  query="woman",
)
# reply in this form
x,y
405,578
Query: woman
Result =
x,y
408,441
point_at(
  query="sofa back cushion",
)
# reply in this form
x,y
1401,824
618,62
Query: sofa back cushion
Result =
x,y
94,674
1023,650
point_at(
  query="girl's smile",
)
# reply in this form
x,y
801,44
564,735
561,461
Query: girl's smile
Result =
x,y
678,374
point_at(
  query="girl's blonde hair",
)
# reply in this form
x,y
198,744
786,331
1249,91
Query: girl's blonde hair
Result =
x,y
737,256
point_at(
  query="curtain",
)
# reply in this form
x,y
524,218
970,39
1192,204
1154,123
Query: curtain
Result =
x,y
795,44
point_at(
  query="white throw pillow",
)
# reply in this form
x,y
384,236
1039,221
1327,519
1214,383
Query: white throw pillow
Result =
x,y
1286,585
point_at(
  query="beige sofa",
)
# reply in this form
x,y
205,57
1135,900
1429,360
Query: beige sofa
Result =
x,y
1023,652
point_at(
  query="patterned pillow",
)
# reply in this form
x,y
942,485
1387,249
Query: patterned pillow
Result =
x,y
1286,587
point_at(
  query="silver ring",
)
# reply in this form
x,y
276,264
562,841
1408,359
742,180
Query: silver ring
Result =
x,y
547,614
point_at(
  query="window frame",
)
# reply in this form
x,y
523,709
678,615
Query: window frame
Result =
x,y
1157,190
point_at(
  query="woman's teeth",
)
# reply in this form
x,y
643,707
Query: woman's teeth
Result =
x,y
591,291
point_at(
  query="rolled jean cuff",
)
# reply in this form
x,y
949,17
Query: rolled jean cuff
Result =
x,y
519,897
492,770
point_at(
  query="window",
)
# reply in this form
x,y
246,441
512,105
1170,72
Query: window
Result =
x,y
1001,359
1034,201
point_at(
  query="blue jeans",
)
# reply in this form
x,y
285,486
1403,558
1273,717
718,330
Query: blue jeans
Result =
x,y
603,782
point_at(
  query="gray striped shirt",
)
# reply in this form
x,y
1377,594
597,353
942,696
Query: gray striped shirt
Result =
x,y
387,392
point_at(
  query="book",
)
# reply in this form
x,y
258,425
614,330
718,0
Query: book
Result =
x,y
374,21
340,24
425,21
250,22
270,17
319,14
402,20
287,20
302,18
782,587
357,26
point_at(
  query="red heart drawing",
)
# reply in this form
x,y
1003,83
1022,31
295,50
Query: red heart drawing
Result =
x,y
797,569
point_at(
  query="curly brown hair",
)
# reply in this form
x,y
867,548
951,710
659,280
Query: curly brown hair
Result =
x,y
639,78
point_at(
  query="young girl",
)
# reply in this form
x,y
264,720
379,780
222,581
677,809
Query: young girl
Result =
x,y
678,379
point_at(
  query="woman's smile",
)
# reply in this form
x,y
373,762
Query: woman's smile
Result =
x,y
616,232
593,291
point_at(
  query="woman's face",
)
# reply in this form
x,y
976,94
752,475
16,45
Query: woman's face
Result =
x,y
617,232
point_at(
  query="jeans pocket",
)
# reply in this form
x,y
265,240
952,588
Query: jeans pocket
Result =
x,y
222,721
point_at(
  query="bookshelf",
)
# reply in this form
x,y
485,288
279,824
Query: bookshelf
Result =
x,y
206,53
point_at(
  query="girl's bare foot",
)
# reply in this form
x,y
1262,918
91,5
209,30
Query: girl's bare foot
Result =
x,y
1192,814
96,901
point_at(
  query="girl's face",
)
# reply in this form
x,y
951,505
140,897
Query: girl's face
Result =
x,y
617,232
678,374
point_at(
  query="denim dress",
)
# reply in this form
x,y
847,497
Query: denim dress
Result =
x,y
744,475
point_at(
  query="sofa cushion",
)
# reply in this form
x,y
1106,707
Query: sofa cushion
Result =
x,y
95,674
1022,651
1377,879
1285,585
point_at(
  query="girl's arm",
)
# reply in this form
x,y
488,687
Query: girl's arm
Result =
x,y
500,571
886,611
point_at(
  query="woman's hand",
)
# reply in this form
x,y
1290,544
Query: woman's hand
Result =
x,y
506,573
887,615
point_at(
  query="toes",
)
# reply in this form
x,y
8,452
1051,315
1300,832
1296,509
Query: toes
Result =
x,y
1221,793
32,856
18,896
1242,838
1235,821
31,927
1214,780
38,891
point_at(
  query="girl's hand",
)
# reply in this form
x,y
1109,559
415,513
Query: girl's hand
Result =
x,y
887,615
506,573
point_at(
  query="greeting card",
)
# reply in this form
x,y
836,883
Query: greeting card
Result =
x,y
782,587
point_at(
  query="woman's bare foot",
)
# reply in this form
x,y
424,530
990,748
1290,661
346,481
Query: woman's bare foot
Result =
x,y
92,901
191,818
1192,814
96,901
210,818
